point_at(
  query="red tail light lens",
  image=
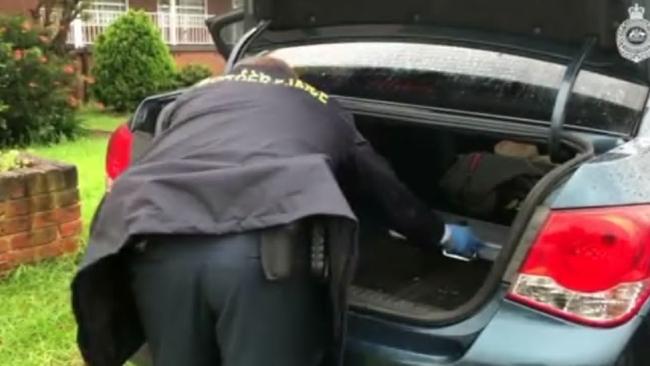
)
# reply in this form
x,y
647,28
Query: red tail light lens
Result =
x,y
591,266
118,155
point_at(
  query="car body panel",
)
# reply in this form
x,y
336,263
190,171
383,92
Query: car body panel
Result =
x,y
515,335
618,177
410,342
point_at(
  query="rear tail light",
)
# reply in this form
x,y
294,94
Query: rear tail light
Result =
x,y
118,155
590,266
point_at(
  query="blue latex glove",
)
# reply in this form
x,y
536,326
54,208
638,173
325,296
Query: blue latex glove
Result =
x,y
461,241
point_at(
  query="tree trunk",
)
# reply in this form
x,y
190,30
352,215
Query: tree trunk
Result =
x,y
60,39
69,10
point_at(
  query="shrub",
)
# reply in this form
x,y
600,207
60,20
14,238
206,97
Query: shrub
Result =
x,y
131,62
36,85
192,74
3,109
12,159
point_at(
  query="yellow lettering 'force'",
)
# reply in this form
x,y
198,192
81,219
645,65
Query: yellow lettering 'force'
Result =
x,y
252,76
265,79
299,84
323,98
311,90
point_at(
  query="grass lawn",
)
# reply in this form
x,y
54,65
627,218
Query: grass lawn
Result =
x,y
94,119
36,323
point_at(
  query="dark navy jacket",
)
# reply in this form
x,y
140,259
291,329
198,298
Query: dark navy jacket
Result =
x,y
246,152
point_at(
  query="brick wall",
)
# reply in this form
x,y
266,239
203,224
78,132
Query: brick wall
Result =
x,y
209,58
40,214
219,6
146,5
17,6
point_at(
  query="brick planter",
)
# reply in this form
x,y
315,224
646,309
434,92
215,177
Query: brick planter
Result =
x,y
40,214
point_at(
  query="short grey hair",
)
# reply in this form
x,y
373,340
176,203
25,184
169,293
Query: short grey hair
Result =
x,y
271,65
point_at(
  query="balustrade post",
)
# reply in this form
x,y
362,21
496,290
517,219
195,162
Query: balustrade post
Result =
x,y
77,33
172,23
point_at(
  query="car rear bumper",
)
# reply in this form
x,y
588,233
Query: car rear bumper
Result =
x,y
514,336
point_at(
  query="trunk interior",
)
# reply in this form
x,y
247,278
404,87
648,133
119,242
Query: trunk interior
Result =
x,y
398,276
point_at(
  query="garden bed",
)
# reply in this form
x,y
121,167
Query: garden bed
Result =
x,y
40,213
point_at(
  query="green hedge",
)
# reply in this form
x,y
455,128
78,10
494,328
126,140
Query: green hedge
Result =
x,y
131,62
192,74
36,87
12,159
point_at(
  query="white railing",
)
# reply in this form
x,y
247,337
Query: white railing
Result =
x,y
180,29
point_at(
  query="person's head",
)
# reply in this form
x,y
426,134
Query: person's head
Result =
x,y
269,65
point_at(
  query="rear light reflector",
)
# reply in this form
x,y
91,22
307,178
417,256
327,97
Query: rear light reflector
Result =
x,y
591,266
118,154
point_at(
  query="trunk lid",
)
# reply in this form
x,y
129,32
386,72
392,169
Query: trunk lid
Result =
x,y
590,86
558,20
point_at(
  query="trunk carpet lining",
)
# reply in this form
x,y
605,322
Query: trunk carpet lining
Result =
x,y
403,271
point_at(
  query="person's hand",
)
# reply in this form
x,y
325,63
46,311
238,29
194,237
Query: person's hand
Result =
x,y
460,241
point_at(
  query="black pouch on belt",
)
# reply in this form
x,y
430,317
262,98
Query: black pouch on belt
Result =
x,y
277,247
294,247
318,253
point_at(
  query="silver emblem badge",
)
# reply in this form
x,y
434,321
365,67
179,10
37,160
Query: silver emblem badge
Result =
x,y
633,36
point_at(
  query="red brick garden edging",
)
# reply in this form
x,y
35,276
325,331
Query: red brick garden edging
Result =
x,y
40,213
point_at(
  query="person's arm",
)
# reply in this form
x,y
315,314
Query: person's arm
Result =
x,y
404,212
375,180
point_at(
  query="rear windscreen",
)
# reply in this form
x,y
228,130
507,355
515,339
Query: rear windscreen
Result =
x,y
146,117
468,79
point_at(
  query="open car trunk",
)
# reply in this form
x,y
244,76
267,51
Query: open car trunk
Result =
x,y
395,276
407,279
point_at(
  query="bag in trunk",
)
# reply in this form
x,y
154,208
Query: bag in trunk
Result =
x,y
491,186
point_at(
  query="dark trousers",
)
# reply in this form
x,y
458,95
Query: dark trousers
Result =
x,y
206,301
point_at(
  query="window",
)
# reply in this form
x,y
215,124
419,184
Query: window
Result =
x,y
234,31
183,6
442,76
105,12
108,5
460,78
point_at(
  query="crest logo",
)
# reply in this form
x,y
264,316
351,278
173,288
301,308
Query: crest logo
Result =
x,y
633,36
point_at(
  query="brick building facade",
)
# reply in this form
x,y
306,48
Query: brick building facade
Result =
x,y
180,21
